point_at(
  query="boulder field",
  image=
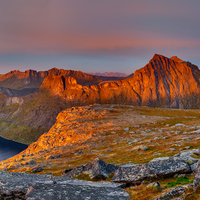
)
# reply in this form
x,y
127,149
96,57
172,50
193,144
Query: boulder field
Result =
x,y
49,187
121,152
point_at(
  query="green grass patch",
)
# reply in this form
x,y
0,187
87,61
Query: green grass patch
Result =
x,y
180,181
20,133
83,176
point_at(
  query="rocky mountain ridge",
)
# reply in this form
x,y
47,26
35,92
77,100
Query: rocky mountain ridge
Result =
x,y
110,74
33,79
163,82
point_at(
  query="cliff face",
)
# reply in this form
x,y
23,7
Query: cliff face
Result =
x,y
163,82
167,82
57,84
33,79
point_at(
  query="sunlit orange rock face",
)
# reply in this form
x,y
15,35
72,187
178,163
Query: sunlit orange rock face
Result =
x,y
57,84
73,126
165,82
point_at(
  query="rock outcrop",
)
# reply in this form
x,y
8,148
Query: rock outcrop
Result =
x,y
175,192
57,84
37,187
185,155
95,169
197,179
150,171
74,192
77,125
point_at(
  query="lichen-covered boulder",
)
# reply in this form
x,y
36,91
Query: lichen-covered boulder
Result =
x,y
75,192
150,171
96,169
185,155
34,186
196,179
175,192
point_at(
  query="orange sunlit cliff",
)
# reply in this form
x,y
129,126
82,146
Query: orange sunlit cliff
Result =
x,y
165,82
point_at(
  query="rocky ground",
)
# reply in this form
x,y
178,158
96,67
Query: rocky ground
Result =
x,y
153,151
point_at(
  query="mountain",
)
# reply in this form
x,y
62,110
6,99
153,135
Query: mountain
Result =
x,y
163,82
168,82
33,79
110,74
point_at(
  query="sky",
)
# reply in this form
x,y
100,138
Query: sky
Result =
x,y
96,35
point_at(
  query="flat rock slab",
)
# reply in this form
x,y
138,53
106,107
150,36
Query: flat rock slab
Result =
x,y
72,192
15,185
72,181
150,171
10,182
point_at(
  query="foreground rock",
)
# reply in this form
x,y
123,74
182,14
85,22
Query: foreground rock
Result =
x,y
33,187
96,169
175,192
196,179
74,192
185,155
150,171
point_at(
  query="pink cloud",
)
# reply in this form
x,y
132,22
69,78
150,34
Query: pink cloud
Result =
x,y
59,26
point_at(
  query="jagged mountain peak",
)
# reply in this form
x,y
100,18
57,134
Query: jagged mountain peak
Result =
x,y
163,63
158,56
175,58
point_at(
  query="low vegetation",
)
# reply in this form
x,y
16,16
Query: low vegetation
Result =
x,y
165,132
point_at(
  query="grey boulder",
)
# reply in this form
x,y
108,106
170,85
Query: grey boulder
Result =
x,y
150,171
175,192
196,179
185,155
34,186
96,169
75,192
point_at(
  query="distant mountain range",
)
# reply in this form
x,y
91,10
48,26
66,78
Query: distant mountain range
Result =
x,y
163,82
33,79
110,74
